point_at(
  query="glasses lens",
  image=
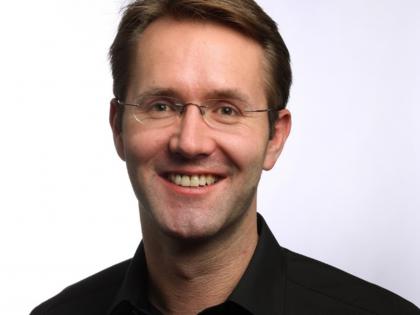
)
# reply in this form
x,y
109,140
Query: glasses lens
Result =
x,y
160,111
156,110
221,113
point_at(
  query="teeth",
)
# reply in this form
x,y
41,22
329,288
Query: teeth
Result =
x,y
192,181
210,180
185,181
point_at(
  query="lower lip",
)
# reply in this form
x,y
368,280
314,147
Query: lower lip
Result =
x,y
190,190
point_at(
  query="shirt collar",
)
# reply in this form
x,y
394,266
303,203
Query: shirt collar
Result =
x,y
260,290
133,291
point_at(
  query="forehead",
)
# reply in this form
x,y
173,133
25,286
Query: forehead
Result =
x,y
195,58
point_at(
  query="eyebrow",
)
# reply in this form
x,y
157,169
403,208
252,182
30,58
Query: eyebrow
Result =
x,y
228,94
157,92
215,94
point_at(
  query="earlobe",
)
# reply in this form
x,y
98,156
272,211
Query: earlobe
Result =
x,y
114,121
275,145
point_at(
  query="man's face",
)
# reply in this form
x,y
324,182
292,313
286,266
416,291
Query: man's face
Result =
x,y
197,61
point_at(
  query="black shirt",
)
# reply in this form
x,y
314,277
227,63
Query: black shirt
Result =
x,y
277,281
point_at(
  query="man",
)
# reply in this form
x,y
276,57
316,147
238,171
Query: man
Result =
x,y
199,111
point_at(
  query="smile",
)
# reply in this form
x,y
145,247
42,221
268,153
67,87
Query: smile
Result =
x,y
192,180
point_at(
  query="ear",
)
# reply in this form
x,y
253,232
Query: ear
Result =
x,y
115,122
280,133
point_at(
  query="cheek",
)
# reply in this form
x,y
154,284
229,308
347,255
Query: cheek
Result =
x,y
246,151
141,146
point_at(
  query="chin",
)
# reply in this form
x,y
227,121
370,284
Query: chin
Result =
x,y
191,226
190,236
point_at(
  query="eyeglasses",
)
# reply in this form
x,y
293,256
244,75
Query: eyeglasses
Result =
x,y
161,111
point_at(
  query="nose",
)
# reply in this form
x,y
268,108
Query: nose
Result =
x,y
193,138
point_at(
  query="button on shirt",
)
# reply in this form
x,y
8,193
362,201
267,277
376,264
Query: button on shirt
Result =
x,y
277,281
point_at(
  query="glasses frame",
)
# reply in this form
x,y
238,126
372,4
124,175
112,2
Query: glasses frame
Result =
x,y
182,105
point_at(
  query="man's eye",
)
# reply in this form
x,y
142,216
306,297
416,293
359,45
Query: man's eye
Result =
x,y
227,110
160,107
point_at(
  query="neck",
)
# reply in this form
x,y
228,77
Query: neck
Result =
x,y
185,278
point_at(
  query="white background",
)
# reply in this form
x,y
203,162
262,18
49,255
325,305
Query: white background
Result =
x,y
345,191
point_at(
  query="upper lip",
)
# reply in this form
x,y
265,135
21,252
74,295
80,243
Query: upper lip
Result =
x,y
191,172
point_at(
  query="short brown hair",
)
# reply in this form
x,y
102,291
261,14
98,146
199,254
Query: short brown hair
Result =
x,y
245,16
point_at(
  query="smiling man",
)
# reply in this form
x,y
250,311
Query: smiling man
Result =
x,y
199,112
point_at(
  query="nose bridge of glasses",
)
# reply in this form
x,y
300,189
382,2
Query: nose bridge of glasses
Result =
x,y
183,112
201,108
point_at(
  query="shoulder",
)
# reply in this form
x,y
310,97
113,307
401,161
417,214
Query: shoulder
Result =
x,y
313,282
92,295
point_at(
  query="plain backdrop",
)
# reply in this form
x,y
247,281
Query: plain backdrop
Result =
x,y
345,191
